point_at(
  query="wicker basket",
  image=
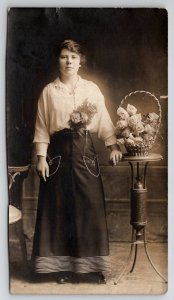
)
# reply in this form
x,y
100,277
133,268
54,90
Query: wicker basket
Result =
x,y
143,148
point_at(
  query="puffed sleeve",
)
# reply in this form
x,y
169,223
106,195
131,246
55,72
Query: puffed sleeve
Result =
x,y
41,136
106,129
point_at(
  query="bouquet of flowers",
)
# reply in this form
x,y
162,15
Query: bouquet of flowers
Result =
x,y
82,116
135,130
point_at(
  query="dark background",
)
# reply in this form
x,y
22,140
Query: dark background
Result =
x,y
126,51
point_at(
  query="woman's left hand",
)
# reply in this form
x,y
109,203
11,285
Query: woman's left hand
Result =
x,y
115,155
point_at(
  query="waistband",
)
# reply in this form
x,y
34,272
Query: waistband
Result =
x,y
66,131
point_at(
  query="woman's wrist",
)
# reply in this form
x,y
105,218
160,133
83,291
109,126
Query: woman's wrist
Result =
x,y
41,158
114,147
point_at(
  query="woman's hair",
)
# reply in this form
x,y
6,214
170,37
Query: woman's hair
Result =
x,y
73,47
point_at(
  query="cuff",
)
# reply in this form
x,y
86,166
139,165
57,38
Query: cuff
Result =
x,y
110,141
41,149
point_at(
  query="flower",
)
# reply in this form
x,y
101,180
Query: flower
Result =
x,y
84,117
134,120
148,137
152,117
131,110
126,132
122,113
130,142
138,140
138,129
134,141
149,129
92,108
121,124
75,117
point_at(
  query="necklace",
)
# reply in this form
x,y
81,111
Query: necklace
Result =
x,y
72,93
74,99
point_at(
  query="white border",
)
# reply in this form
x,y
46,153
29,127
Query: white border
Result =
x,y
169,5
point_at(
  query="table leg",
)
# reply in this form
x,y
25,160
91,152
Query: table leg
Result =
x,y
135,258
138,219
128,260
149,258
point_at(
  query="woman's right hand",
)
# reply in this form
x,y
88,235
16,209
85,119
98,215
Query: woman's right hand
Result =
x,y
42,167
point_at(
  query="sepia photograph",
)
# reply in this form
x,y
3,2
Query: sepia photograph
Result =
x,y
87,154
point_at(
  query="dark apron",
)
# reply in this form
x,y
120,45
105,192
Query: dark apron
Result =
x,y
71,217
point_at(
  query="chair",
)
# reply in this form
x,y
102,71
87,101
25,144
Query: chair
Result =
x,y
15,219
15,214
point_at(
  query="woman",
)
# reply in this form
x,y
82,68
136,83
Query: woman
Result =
x,y
71,234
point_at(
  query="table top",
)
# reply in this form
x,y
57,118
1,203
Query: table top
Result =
x,y
150,157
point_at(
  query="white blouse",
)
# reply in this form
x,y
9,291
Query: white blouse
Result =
x,y
56,104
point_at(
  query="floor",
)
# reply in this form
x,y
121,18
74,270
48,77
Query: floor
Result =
x,y
143,279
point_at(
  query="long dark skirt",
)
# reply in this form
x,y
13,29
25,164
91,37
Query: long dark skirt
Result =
x,y
71,231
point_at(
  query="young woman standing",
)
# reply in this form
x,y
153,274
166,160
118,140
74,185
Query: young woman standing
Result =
x,y
71,238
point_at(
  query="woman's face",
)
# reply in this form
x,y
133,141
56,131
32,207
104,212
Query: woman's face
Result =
x,y
69,63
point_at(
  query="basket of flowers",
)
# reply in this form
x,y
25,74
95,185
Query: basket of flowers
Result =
x,y
136,129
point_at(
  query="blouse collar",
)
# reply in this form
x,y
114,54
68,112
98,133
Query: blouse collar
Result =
x,y
58,83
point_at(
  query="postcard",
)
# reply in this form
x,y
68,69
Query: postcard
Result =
x,y
86,111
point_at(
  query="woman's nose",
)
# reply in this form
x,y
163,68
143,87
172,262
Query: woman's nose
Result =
x,y
68,60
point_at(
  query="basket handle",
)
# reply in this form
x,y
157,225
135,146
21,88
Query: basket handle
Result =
x,y
154,97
